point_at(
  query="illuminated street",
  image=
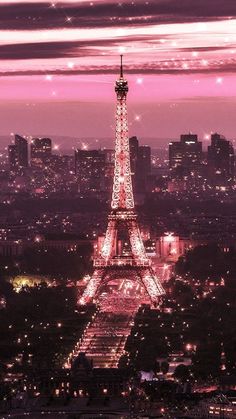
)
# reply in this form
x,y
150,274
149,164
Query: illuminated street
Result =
x,y
104,338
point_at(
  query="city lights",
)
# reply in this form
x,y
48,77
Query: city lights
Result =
x,y
117,234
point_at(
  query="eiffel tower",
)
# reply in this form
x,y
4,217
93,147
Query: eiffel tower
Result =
x,y
112,263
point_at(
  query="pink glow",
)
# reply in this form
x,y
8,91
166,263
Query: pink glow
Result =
x,y
182,59
154,88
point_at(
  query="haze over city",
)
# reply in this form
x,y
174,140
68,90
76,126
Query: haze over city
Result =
x,y
117,209
58,61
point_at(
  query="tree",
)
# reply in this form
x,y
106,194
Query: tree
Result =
x,y
203,262
164,367
182,372
157,367
57,262
206,362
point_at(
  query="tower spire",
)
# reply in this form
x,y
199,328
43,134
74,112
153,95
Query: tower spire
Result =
x,y
121,66
122,196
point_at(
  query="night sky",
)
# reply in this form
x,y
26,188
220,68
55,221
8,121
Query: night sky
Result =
x,y
59,61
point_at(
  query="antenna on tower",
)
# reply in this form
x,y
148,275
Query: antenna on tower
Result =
x,y
121,66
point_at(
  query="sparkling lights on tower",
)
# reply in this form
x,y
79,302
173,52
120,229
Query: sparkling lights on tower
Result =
x,y
123,218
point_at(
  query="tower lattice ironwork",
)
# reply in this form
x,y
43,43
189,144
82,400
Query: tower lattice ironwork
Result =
x,y
123,218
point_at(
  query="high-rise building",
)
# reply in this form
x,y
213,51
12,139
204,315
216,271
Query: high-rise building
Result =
x,y
22,150
90,169
12,157
40,151
109,155
140,164
220,161
133,147
18,154
144,159
143,168
61,164
185,156
109,168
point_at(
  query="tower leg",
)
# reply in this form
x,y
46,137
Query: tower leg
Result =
x,y
92,287
109,241
136,242
152,285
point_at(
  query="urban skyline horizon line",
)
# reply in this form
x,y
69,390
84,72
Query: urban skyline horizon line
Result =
x,y
96,143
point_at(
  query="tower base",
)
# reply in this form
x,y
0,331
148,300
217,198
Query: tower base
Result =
x,y
137,275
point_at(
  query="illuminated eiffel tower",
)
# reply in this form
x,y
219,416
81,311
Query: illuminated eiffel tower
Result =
x,y
112,263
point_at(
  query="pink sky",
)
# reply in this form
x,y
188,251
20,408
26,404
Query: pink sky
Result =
x,y
179,61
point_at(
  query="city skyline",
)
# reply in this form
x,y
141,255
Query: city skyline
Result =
x,y
59,59
117,288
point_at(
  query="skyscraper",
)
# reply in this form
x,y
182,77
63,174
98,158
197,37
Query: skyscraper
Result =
x,y
220,161
12,157
185,156
18,154
133,146
90,169
186,153
140,164
22,150
144,159
41,151
109,168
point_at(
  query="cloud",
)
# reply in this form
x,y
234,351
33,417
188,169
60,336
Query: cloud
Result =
x,y
38,50
158,36
41,15
150,68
